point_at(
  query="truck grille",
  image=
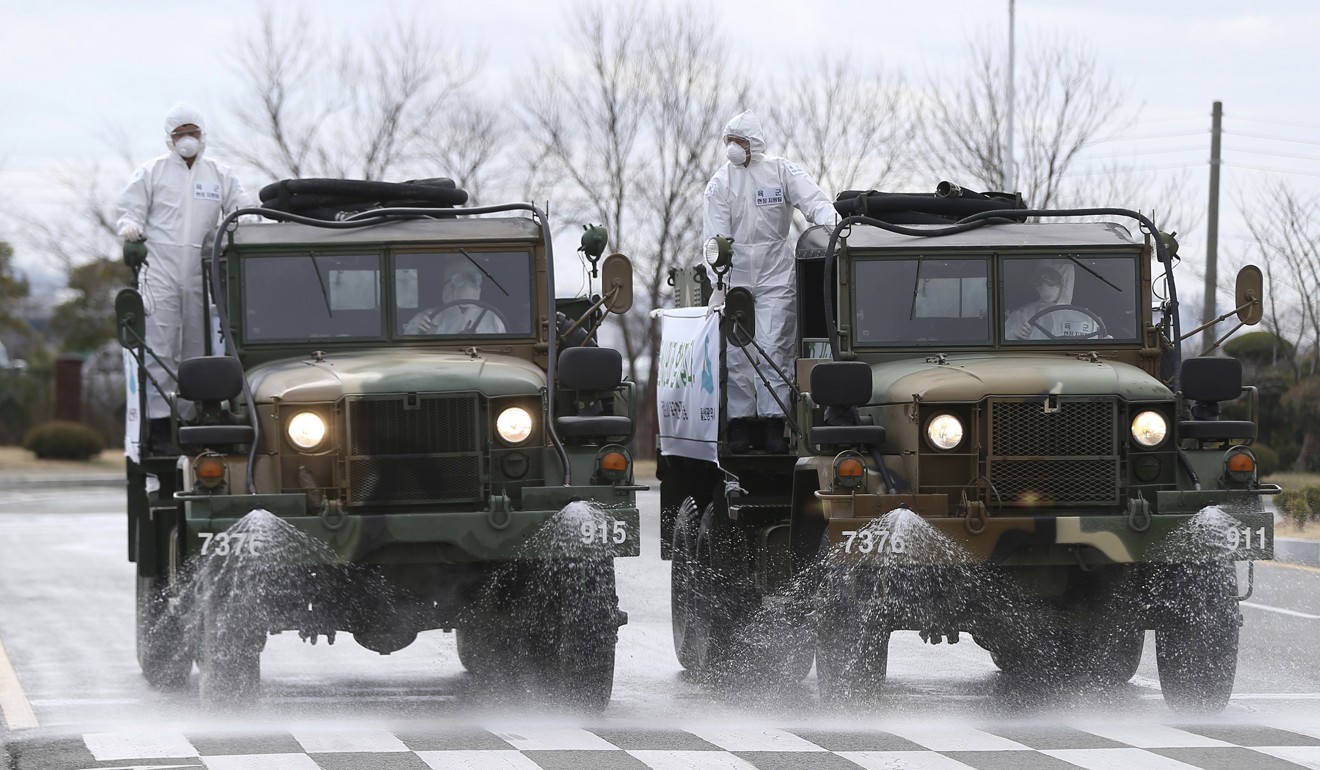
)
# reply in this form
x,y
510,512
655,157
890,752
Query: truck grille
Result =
x,y
410,449
1053,452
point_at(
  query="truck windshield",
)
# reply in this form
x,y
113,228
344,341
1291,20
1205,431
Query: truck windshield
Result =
x,y
463,293
1069,298
307,296
899,302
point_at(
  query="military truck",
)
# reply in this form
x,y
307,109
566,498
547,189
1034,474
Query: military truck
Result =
x,y
997,433
427,437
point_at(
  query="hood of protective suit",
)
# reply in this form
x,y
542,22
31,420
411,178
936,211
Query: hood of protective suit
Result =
x,y
1061,271
182,114
462,281
745,125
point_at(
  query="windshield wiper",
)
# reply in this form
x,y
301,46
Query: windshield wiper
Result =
x,y
916,287
325,292
1078,262
483,271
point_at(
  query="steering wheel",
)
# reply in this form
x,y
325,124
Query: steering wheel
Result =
x,y
431,314
1099,333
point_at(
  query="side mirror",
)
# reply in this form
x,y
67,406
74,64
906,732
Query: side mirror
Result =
x,y
616,283
130,318
740,316
719,253
1250,295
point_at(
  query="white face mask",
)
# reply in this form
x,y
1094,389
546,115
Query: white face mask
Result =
x,y
188,146
735,153
461,286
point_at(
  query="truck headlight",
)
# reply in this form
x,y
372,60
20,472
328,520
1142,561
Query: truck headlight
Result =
x,y
944,431
1149,429
514,425
306,430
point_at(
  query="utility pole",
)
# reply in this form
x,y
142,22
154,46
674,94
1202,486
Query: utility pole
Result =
x,y
1212,229
1009,171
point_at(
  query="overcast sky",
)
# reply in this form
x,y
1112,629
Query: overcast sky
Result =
x,y
79,71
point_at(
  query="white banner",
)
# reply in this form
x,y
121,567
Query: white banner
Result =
x,y
132,415
687,391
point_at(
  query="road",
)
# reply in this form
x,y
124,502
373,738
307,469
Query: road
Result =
x,y
72,696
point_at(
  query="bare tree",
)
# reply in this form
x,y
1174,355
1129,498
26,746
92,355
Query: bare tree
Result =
x,y
1286,228
370,110
850,128
626,135
1064,103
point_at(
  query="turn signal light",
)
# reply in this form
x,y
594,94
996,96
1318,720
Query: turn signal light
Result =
x,y
849,470
612,464
209,470
1240,465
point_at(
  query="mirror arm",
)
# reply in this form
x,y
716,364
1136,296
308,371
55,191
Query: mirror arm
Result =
x,y
1208,324
1220,341
595,305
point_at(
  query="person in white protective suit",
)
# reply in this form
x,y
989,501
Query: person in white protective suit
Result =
x,y
1053,281
461,311
172,201
751,199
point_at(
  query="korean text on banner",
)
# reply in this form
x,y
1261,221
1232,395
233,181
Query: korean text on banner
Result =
x,y
688,387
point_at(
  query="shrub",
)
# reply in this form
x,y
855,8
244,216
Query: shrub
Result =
x,y
63,440
1267,460
1300,505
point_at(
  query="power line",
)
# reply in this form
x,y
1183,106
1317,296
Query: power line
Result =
x,y
1176,135
1274,138
1278,123
1270,170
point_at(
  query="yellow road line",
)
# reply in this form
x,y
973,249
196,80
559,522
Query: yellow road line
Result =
x,y
13,701
1286,565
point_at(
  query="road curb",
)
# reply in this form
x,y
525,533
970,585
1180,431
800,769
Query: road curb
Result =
x,y
55,480
1296,550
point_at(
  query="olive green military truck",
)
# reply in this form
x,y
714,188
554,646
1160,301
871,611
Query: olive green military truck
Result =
x,y
400,429
997,433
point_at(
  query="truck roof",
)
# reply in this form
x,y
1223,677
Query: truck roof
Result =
x,y
1014,235
447,228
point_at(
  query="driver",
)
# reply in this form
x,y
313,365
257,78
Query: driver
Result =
x,y
462,311
1054,287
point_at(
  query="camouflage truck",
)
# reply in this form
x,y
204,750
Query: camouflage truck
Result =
x,y
997,434
416,460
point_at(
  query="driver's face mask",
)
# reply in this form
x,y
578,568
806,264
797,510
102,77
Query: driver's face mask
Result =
x,y
1048,288
463,285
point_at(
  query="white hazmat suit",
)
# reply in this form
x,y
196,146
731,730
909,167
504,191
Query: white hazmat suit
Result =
x,y
754,203
462,311
174,204
1053,281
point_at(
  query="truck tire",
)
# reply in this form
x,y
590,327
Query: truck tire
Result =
x,y
852,655
682,585
229,651
1196,647
164,647
572,649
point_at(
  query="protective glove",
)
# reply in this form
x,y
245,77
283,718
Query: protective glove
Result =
x,y
131,231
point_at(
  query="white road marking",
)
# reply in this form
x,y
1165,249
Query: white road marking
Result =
x,y
1117,759
555,739
137,745
348,741
753,739
1144,735
1279,610
942,739
14,704
480,760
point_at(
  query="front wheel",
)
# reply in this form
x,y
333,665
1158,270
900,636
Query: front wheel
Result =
x,y
164,648
852,654
229,650
1196,648
572,648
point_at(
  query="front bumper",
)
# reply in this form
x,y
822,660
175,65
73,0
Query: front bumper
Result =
x,y
493,533
1191,526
